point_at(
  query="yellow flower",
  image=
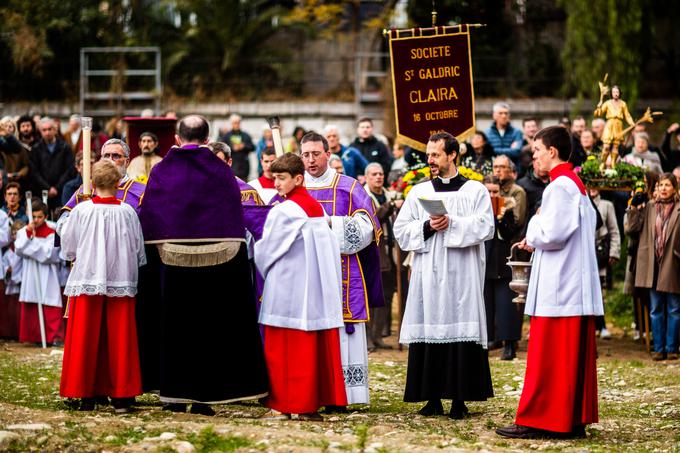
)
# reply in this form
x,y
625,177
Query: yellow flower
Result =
x,y
407,177
407,190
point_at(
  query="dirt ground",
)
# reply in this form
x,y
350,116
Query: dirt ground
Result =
x,y
639,411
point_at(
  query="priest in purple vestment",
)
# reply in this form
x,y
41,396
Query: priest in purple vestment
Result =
x,y
192,213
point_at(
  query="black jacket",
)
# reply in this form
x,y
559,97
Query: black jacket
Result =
x,y
498,250
534,188
51,170
374,151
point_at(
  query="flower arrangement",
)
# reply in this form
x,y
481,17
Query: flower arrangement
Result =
x,y
470,174
622,177
419,173
413,176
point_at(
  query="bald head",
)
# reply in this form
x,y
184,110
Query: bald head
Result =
x,y
193,129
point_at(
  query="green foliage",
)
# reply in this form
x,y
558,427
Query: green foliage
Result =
x,y
604,37
622,175
209,441
361,432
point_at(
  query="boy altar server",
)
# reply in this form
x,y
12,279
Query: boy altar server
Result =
x,y
560,386
104,238
299,258
39,279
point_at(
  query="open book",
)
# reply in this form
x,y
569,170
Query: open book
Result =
x,y
433,207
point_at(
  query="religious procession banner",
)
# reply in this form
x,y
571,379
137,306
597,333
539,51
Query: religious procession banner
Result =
x,y
432,83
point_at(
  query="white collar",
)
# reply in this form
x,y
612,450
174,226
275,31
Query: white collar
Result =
x,y
448,180
323,180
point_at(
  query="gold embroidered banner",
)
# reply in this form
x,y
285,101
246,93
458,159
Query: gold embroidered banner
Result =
x,y
432,83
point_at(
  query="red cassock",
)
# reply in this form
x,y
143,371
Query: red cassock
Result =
x,y
29,325
305,369
9,314
560,386
100,353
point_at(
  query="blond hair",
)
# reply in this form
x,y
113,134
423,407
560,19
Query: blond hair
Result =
x,y
105,174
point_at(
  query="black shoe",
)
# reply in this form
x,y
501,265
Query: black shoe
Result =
x,y
458,410
87,405
520,432
432,408
175,407
121,405
508,351
492,345
201,409
335,410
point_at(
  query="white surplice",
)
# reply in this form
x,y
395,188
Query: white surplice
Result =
x,y
445,299
265,193
107,244
11,260
40,269
299,258
354,233
564,276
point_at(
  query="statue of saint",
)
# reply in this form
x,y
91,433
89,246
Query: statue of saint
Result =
x,y
615,111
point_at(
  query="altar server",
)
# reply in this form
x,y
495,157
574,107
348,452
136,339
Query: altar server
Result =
x,y
560,385
104,239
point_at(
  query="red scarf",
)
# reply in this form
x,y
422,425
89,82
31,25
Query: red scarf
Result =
x,y
567,169
105,200
303,199
41,232
265,182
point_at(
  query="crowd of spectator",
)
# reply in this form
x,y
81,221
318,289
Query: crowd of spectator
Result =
x,y
36,154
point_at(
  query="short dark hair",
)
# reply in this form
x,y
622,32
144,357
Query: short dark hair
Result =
x,y
314,137
193,128
26,119
529,119
365,119
151,135
13,185
269,151
38,205
288,163
579,118
220,147
559,138
451,145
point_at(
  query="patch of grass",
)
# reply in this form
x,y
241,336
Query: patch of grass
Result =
x,y
28,384
209,441
361,432
128,436
619,307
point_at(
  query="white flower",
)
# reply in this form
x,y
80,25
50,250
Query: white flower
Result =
x,y
610,173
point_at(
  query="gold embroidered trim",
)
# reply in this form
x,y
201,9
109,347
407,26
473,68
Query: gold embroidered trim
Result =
x,y
198,255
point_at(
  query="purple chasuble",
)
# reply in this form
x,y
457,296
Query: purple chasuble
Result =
x,y
361,279
129,192
172,211
249,196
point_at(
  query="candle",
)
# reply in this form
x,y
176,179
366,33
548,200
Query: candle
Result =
x,y
275,126
86,124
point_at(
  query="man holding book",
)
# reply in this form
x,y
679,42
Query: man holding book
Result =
x,y
445,223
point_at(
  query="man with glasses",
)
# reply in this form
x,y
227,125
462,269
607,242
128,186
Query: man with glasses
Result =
x,y
129,191
52,164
